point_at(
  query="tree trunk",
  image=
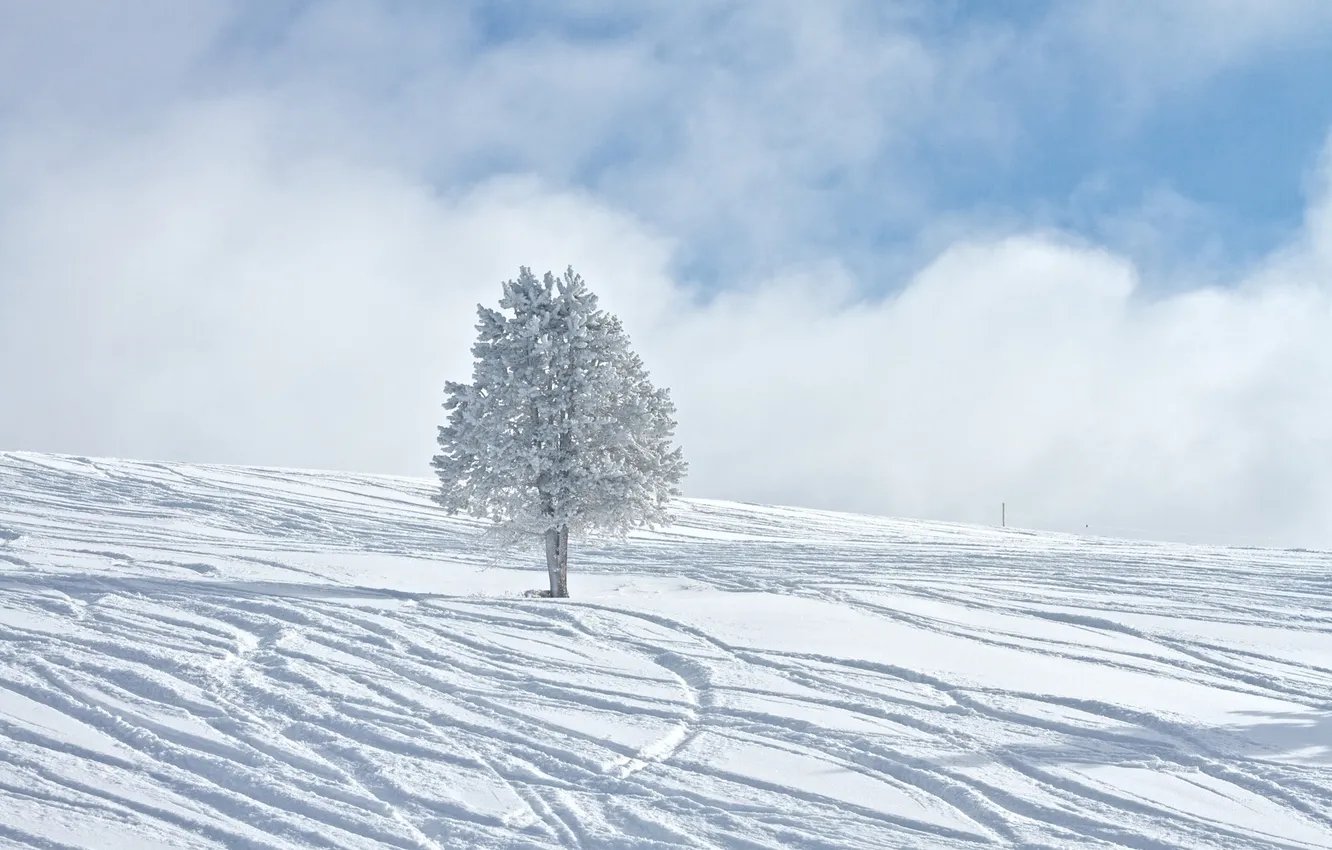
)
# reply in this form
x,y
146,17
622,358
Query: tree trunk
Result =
x,y
557,561
553,561
563,562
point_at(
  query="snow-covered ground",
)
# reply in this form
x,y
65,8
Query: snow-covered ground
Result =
x,y
196,656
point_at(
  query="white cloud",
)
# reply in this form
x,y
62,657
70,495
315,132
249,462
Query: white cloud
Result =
x,y
1028,371
280,265
193,296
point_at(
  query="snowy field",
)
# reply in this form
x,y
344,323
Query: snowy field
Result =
x,y
196,656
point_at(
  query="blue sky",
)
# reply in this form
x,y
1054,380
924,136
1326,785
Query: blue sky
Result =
x,y
995,114
1070,256
1240,145
1011,114
1235,144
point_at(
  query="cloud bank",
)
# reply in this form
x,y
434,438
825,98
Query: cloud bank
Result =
x,y
272,260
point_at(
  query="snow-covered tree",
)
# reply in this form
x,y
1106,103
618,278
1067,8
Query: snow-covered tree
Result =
x,y
560,430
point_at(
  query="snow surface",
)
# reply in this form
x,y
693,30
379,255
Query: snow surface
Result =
x,y
201,656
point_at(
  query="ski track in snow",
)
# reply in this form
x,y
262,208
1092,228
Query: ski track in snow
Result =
x,y
199,656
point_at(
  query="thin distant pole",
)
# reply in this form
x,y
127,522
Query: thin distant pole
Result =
x,y
1003,514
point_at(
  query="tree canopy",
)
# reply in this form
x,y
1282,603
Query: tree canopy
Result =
x,y
560,429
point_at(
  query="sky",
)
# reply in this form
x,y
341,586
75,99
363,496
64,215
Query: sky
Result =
x,y
908,258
